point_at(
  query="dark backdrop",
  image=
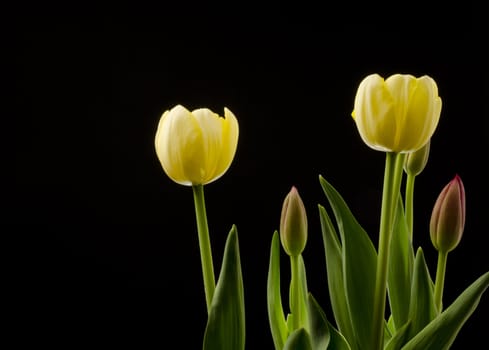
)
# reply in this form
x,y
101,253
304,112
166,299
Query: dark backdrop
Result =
x,y
109,252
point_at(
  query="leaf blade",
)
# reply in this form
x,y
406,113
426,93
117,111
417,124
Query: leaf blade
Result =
x,y
442,331
359,266
276,318
400,269
226,322
298,340
422,308
318,325
334,270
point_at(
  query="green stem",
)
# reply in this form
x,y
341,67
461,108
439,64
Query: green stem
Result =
x,y
204,244
295,292
392,185
409,204
440,279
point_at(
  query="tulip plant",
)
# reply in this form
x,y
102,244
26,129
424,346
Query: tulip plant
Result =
x,y
382,295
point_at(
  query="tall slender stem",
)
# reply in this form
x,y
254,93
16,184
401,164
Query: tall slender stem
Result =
x,y
440,279
392,184
204,244
295,292
408,206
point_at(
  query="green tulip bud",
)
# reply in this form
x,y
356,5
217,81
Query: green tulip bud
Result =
x,y
293,224
416,161
448,217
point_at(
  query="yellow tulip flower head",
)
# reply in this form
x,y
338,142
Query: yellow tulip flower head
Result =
x,y
399,114
196,147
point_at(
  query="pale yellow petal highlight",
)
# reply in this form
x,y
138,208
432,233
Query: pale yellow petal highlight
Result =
x,y
211,126
230,134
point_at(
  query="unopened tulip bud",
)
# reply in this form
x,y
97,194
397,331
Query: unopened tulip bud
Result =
x,y
448,217
416,161
293,224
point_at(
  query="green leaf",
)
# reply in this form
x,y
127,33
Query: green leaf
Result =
x,y
399,338
318,325
276,318
226,322
390,327
334,268
388,330
337,341
422,305
298,340
323,334
442,331
400,268
359,267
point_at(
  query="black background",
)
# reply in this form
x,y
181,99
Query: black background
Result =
x,y
108,246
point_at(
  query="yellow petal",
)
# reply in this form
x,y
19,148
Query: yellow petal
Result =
x,y
230,134
373,113
211,126
401,88
182,149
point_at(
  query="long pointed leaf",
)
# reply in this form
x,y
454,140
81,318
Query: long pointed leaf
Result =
x,y
337,340
400,269
318,325
359,266
422,305
334,269
390,327
323,334
226,322
399,338
276,318
442,331
298,340
388,330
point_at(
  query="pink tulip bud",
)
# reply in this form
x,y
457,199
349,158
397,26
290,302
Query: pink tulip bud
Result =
x,y
293,224
448,217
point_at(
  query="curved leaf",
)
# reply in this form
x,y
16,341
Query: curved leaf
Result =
x,y
399,338
323,334
334,269
276,318
400,269
422,305
318,325
442,331
337,341
226,322
359,266
298,340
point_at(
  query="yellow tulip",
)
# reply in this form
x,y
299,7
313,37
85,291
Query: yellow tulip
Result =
x,y
196,148
399,114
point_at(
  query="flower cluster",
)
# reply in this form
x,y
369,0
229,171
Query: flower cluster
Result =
x,y
366,281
